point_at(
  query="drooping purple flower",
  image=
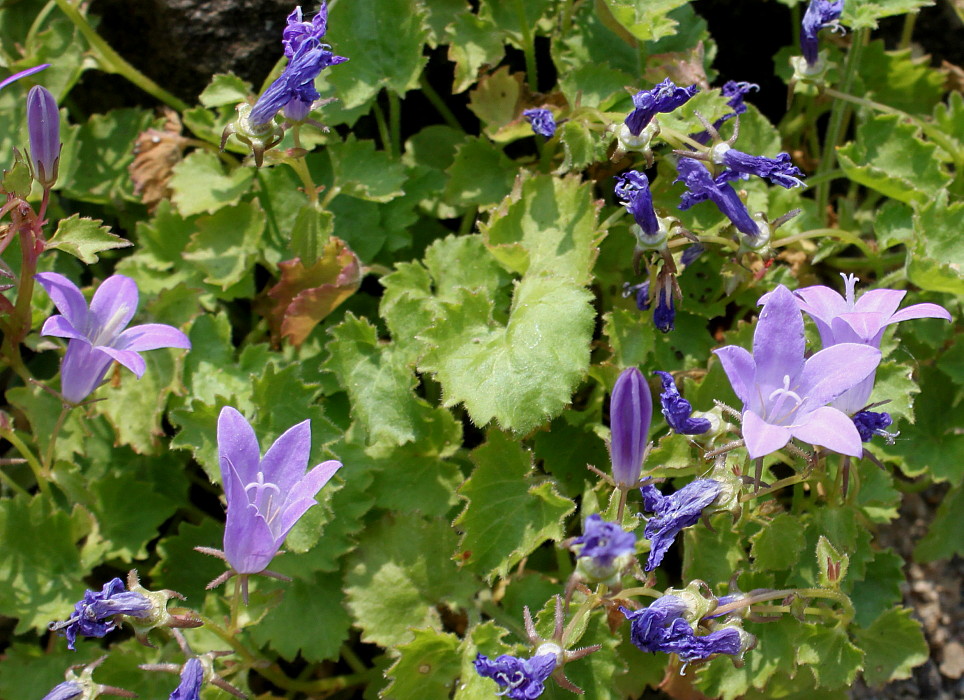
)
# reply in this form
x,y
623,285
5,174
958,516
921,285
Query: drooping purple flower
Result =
x,y
99,335
542,121
68,690
819,14
677,410
603,542
690,255
665,97
298,32
664,316
784,395
294,90
192,677
869,423
22,74
266,497
674,513
630,413
640,293
43,128
780,170
735,92
858,320
662,627
702,186
522,679
632,189
94,615
649,625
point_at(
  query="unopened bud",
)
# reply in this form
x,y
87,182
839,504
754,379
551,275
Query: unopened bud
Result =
x,y
43,127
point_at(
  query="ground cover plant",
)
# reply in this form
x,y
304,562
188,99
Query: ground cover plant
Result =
x,y
569,373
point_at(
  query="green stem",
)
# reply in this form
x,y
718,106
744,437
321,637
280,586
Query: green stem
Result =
x,y
746,602
39,21
528,46
49,459
499,615
382,125
838,119
907,32
301,170
845,236
395,124
640,590
235,604
14,486
777,485
112,62
35,466
443,109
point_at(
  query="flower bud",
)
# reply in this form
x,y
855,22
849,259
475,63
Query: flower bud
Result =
x,y
630,413
43,127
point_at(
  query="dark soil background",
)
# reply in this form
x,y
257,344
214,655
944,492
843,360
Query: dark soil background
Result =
x,y
181,43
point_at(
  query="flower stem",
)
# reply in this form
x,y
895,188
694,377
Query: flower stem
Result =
x,y
528,46
395,124
48,464
35,466
443,109
640,590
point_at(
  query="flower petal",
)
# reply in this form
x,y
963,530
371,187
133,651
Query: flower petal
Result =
x,y
883,301
59,327
249,544
778,342
920,311
67,297
112,308
762,438
130,359
82,370
859,327
23,74
740,369
830,428
285,462
151,336
822,304
834,370
237,449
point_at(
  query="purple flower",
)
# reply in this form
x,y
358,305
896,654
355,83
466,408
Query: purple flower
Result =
x,y
94,615
858,320
779,170
869,423
22,74
43,128
665,97
784,395
543,123
192,676
522,679
640,292
678,410
703,186
266,497
632,189
65,691
735,92
662,627
819,14
604,542
294,90
673,513
690,255
97,335
630,413
664,316
298,32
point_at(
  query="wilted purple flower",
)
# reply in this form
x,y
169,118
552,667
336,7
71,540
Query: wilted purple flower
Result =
x,y
603,542
192,676
819,14
678,410
22,74
665,97
266,497
662,627
664,316
297,31
294,90
97,335
735,92
779,170
630,413
785,396
43,128
522,679
542,121
858,320
702,186
690,255
869,423
640,292
632,189
65,691
673,513
94,615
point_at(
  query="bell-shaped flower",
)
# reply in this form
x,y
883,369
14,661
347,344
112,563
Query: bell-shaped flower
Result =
x,y
99,334
266,497
192,677
630,413
863,319
674,513
520,679
784,395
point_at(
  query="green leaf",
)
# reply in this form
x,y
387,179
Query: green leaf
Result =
x,y
832,657
523,373
937,256
880,589
632,336
361,171
508,513
180,568
201,185
226,243
726,545
129,513
29,671
895,384
473,44
18,180
401,575
383,39
893,645
481,174
496,100
427,667
779,544
644,20
225,89
774,653
863,14
898,80
945,536
889,157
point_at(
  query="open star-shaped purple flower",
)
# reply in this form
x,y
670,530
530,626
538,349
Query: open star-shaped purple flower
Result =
x,y
266,497
784,395
99,334
521,679
674,513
